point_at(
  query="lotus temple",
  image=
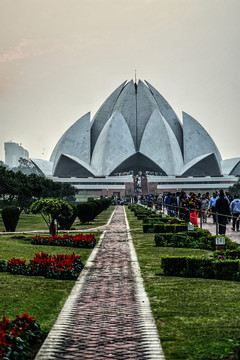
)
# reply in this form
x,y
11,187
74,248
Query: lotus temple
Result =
x,y
136,132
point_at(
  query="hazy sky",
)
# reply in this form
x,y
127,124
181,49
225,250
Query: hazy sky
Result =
x,y
60,59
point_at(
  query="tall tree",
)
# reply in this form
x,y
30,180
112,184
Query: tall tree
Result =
x,y
235,189
51,209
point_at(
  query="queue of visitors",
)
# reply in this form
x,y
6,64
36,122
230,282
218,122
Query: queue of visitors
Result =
x,y
190,207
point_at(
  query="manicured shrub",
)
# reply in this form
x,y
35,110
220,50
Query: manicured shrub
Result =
x,y
66,223
207,243
175,240
99,206
147,228
173,265
226,269
10,216
227,254
181,228
191,233
201,267
159,228
85,212
141,216
167,219
169,228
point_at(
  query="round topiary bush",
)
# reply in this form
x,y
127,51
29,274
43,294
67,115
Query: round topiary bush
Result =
x,y
10,216
66,223
85,212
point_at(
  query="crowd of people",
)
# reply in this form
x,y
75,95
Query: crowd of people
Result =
x,y
221,207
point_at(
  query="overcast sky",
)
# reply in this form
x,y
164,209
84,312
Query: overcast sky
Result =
x,y
60,59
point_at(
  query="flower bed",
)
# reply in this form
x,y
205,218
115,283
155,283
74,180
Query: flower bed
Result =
x,y
17,336
64,267
79,240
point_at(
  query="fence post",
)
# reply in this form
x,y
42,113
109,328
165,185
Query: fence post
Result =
x,y
216,223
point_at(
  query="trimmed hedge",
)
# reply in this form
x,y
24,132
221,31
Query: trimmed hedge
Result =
x,y
175,240
66,223
191,266
227,254
170,228
87,211
10,216
183,240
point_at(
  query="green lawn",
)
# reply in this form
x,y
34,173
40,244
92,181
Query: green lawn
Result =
x,y
197,319
39,297
32,222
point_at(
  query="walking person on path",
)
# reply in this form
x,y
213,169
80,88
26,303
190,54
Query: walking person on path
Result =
x,y
235,209
222,208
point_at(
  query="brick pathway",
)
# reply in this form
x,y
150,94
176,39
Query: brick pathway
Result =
x,y
107,315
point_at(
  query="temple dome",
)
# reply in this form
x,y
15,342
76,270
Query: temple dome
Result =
x,y
136,128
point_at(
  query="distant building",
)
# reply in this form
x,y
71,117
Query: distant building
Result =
x,y
13,152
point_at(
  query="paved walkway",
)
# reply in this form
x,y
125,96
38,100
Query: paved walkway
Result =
x,y
107,315
233,235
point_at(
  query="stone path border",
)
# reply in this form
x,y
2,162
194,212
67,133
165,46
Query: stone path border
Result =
x,y
150,330
150,347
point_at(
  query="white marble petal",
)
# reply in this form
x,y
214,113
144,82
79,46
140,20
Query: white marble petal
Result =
x,y
113,146
203,165
169,115
196,140
75,141
146,104
229,165
160,144
44,166
126,105
72,165
103,114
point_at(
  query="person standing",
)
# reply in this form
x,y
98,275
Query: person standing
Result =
x,y
192,206
212,206
222,208
205,203
167,202
235,210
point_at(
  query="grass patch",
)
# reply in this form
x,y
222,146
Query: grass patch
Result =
x,y
11,246
32,222
197,319
40,297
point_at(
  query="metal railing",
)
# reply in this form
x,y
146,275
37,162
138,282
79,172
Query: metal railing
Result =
x,y
174,210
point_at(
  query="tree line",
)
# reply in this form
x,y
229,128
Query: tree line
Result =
x,y
22,190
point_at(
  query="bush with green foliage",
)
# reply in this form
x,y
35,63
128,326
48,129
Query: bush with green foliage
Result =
x,y
184,240
52,209
207,268
227,254
10,216
85,212
65,223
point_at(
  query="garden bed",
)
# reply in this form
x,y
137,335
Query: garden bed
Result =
x,y
17,336
64,267
86,241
